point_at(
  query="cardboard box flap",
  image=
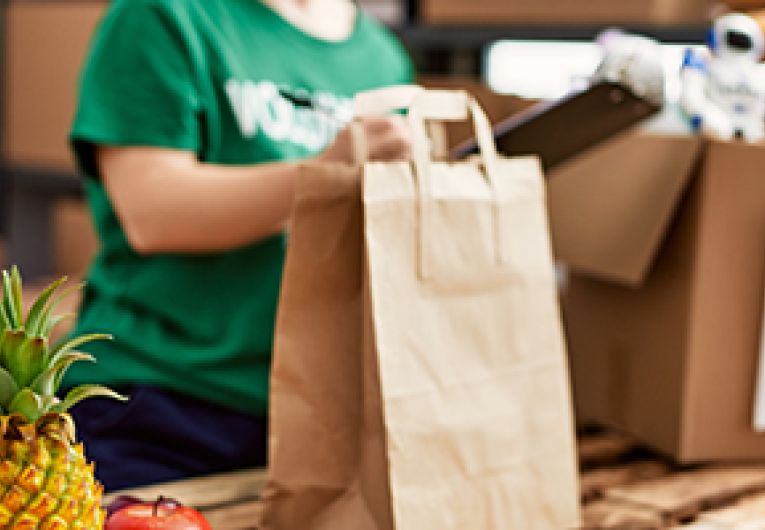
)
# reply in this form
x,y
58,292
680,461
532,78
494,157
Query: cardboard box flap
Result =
x,y
611,206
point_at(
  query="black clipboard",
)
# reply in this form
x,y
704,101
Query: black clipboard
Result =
x,y
558,130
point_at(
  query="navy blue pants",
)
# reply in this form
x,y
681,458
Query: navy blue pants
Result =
x,y
161,435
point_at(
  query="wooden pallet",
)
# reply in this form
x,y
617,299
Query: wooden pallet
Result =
x,y
623,487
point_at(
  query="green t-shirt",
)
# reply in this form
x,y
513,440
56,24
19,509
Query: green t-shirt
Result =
x,y
224,79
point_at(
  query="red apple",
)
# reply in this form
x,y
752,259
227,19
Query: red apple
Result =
x,y
127,513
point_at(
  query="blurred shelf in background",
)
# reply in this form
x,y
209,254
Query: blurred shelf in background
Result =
x,y
448,50
423,36
450,36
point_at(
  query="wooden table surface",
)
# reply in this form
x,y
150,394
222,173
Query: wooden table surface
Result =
x,y
623,486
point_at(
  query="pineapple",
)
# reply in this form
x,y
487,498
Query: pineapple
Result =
x,y
45,480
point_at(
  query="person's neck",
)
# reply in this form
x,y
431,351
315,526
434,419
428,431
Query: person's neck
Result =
x,y
331,20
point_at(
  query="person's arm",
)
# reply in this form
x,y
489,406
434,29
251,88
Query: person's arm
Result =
x,y
169,202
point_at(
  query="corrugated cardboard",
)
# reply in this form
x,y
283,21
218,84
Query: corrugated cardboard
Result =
x,y
633,181
46,44
565,11
673,360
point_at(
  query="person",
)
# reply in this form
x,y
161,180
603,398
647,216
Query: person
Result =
x,y
194,118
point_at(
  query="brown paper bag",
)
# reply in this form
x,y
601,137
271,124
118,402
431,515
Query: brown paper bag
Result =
x,y
419,379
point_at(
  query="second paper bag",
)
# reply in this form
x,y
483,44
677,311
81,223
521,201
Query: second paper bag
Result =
x,y
420,380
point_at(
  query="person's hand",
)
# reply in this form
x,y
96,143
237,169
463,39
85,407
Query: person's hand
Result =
x,y
387,139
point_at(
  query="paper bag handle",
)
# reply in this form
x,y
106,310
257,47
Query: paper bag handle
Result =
x,y
384,101
427,108
452,106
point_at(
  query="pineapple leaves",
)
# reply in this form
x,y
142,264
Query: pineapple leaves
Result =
x,y
8,388
11,342
47,321
27,360
71,344
5,322
28,404
9,302
55,321
38,313
30,371
48,381
79,393
16,292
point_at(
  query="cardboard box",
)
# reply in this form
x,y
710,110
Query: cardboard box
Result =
x,y
664,330
46,45
565,11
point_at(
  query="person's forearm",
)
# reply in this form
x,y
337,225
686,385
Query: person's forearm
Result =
x,y
169,202
181,205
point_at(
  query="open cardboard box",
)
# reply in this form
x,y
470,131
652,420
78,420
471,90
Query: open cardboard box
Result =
x,y
665,239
